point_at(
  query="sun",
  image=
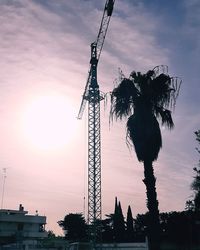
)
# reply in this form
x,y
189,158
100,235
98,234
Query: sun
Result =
x,y
49,122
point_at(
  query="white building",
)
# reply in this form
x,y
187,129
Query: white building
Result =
x,y
16,226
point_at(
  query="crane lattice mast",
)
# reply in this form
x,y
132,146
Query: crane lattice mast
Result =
x,y
93,96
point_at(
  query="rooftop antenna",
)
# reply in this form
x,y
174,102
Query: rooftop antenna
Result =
x,y
3,189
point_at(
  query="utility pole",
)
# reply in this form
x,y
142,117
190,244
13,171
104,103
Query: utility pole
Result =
x,y
3,187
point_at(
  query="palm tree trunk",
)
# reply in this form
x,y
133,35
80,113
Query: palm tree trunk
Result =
x,y
153,230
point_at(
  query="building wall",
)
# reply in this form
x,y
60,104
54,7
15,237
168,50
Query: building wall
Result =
x,y
110,246
17,222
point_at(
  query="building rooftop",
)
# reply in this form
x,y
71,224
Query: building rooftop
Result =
x,y
15,222
11,211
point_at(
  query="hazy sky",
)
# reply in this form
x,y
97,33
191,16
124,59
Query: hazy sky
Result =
x,y
44,60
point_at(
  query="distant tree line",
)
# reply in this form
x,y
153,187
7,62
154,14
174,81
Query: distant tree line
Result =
x,y
179,228
114,227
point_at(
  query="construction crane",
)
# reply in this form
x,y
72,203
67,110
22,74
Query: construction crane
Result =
x,y
93,96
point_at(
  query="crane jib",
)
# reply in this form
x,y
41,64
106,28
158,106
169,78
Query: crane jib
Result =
x,y
99,44
109,7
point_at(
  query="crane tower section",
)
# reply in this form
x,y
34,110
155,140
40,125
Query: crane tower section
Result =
x,y
93,96
94,142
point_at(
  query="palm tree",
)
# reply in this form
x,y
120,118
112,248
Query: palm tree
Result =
x,y
142,98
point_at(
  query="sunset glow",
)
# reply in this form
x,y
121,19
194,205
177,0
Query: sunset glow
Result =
x,y
49,122
45,59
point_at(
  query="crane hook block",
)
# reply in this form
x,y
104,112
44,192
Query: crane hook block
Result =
x,y
109,7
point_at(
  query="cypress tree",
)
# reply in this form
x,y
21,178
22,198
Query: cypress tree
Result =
x,y
115,221
118,223
121,229
129,225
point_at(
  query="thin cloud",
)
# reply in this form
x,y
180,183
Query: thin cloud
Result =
x,y
46,45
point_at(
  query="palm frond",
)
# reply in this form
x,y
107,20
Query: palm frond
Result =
x,y
197,133
161,90
151,74
160,69
176,85
140,80
123,98
165,115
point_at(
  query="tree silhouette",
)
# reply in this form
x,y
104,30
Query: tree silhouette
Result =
x,y
143,98
107,228
129,225
74,227
196,182
118,223
140,225
121,225
180,229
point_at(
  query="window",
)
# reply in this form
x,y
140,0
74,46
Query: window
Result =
x,y
20,227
